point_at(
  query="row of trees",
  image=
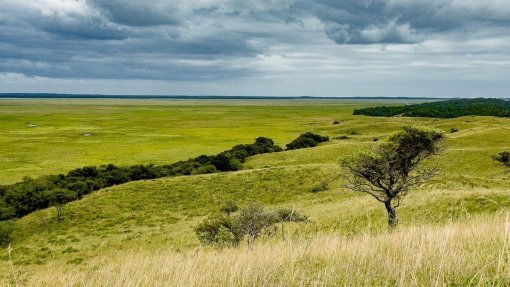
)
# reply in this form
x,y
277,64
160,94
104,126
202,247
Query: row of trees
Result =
x,y
443,109
30,194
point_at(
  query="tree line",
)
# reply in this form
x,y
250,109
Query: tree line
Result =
x,y
443,109
32,194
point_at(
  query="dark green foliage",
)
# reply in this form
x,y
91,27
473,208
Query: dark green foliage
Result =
x,y
336,122
307,140
29,195
453,130
503,158
6,230
141,172
443,109
6,211
390,170
60,196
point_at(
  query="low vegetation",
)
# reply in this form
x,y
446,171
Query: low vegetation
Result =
x,y
470,253
55,190
250,222
202,229
443,109
307,140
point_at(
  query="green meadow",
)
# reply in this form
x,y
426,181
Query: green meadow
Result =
x,y
40,137
107,237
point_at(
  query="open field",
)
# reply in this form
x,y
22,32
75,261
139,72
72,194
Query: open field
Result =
x,y
125,132
452,229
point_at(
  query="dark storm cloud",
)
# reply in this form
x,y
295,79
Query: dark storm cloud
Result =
x,y
224,39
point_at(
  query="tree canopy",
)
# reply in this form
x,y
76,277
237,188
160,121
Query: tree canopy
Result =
x,y
443,109
390,170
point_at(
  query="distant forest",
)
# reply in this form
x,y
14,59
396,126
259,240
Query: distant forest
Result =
x,y
443,109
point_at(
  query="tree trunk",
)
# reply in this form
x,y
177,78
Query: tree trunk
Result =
x,y
392,215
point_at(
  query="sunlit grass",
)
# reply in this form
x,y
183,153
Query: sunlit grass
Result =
x,y
143,231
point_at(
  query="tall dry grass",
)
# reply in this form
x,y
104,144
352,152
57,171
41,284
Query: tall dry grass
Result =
x,y
474,253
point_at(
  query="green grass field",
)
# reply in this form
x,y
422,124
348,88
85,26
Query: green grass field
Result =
x,y
154,219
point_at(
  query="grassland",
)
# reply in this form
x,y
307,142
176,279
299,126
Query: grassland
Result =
x,y
452,230
125,132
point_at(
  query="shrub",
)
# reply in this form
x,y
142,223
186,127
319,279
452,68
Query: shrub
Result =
x,y
453,130
336,122
6,230
216,229
307,140
252,220
503,158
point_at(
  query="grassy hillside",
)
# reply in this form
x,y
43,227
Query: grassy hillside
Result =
x,y
471,253
452,229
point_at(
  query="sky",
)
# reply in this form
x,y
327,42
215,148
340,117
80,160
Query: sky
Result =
x,y
344,48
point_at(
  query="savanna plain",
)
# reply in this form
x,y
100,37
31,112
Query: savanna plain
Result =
x,y
453,231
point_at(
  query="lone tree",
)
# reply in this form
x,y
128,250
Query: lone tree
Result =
x,y
390,170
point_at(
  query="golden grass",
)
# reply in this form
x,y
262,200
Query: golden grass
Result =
x,y
471,253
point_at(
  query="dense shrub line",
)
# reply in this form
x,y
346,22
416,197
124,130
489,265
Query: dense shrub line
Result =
x,y
443,109
30,194
307,140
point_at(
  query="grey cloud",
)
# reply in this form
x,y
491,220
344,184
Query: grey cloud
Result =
x,y
140,13
213,40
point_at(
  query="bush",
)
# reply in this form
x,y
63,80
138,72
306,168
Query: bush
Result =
x,y
252,220
336,122
503,158
307,140
6,230
453,130
216,229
